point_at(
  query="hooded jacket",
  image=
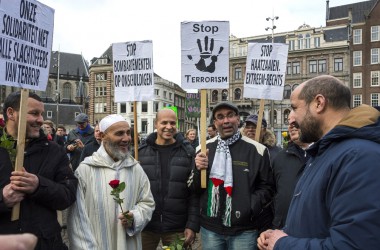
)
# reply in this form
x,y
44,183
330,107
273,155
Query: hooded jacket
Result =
x,y
92,221
177,207
336,202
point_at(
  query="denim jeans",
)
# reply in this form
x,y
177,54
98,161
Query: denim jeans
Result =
x,y
243,241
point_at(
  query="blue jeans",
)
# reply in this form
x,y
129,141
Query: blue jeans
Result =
x,y
243,241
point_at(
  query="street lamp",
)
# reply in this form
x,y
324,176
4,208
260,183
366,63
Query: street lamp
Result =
x,y
56,65
273,27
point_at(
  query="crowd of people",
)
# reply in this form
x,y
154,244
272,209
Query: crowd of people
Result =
x,y
319,192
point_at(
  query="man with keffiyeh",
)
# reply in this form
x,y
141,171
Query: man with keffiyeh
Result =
x,y
239,184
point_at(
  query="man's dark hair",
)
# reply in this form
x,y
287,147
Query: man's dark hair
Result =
x,y
62,127
13,101
337,94
212,126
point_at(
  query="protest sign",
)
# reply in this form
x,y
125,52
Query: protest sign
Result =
x,y
193,105
133,71
265,71
205,54
25,43
204,63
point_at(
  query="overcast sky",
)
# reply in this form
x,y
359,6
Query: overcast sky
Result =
x,y
89,27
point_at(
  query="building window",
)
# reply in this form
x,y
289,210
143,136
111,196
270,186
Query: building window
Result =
x,y
357,58
100,107
287,91
144,107
338,64
296,68
123,108
294,86
357,80
289,68
131,107
307,41
317,42
357,36
286,116
375,33
48,91
67,90
164,94
170,96
300,42
291,45
155,106
375,56
238,73
100,91
215,96
356,100
224,95
102,61
313,66
100,77
237,94
49,114
375,99
144,125
322,66
375,78
156,92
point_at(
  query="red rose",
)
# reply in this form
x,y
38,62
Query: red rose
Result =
x,y
114,183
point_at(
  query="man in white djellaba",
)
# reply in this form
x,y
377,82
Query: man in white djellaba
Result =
x,y
96,221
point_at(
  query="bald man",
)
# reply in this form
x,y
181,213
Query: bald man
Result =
x,y
167,158
93,221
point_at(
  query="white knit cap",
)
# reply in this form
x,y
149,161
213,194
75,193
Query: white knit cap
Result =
x,y
109,120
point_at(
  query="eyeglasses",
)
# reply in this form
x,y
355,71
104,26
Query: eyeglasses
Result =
x,y
81,123
221,117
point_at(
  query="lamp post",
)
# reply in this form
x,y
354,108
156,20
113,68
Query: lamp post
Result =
x,y
56,65
273,27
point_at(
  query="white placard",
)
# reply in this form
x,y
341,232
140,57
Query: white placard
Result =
x,y
265,71
205,54
26,36
133,71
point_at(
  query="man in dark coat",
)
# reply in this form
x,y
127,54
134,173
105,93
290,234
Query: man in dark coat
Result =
x,y
45,183
78,138
167,159
93,145
287,166
336,201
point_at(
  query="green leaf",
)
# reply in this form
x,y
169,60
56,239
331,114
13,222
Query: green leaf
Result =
x,y
121,187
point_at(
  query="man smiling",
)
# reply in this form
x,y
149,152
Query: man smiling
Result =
x,y
240,184
167,159
93,219
44,185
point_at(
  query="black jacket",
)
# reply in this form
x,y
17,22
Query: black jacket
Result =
x,y
85,138
91,147
252,187
177,207
287,166
56,191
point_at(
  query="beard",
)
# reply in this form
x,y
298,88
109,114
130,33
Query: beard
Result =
x,y
311,129
114,151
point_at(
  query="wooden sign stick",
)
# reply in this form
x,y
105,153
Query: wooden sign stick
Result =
x,y
259,120
19,163
136,136
203,133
